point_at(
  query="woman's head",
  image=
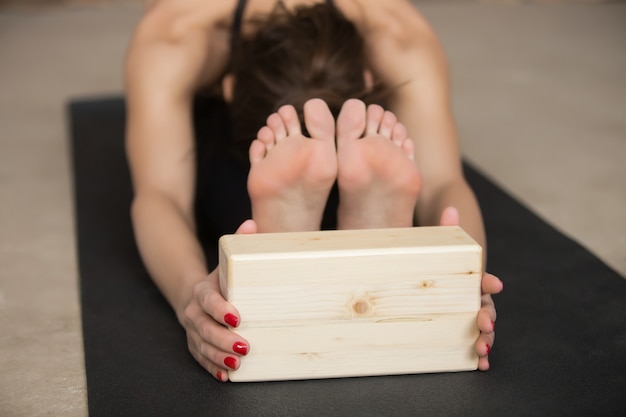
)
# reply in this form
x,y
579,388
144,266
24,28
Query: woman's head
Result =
x,y
292,57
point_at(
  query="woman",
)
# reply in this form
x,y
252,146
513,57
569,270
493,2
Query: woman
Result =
x,y
182,47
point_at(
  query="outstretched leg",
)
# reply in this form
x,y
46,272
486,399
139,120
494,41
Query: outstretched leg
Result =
x,y
291,175
378,180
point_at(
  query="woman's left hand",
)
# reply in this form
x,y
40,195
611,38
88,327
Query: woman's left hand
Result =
x,y
486,318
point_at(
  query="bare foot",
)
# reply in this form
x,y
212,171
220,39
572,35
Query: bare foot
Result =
x,y
378,180
291,175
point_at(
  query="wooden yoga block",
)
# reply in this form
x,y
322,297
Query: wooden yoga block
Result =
x,y
353,303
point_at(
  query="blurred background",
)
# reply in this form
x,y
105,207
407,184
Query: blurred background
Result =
x,y
539,93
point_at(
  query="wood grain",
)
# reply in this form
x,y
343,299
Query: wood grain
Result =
x,y
353,303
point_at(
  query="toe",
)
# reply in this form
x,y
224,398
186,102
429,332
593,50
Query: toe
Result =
x,y
387,125
257,151
275,123
409,149
290,119
319,120
351,120
266,135
375,115
399,134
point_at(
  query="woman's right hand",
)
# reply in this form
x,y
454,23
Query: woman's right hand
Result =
x,y
205,319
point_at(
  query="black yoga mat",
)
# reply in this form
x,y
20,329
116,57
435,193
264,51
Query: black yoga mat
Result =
x,y
561,332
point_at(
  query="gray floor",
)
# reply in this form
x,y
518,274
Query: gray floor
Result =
x,y
540,97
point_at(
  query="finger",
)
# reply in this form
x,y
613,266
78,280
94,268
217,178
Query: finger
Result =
x,y
487,301
449,217
484,344
490,284
217,357
229,314
246,228
210,300
218,372
212,331
486,320
218,336
212,345
209,295
488,307
483,363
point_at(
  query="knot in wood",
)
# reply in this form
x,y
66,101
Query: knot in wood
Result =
x,y
361,306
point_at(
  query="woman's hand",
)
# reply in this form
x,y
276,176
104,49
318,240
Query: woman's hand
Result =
x,y
486,319
205,318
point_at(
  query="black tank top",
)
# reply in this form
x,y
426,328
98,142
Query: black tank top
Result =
x,y
241,6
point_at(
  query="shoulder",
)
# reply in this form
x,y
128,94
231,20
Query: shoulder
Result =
x,y
170,20
183,43
396,20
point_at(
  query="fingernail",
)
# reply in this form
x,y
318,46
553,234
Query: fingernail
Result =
x,y
220,376
231,319
240,348
230,362
493,326
488,349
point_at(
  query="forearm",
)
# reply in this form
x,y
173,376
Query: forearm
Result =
x,y
426,113
423,106
437,154
168,246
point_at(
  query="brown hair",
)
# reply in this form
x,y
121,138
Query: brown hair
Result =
x,y
311,52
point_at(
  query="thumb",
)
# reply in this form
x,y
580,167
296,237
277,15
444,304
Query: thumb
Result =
x,y
449,217
247,228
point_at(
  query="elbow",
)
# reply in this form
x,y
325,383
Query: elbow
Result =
x,y
155,204
136,209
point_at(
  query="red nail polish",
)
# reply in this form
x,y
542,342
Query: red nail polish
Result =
x,y
488,349
230,362
240,348
219,376
231,319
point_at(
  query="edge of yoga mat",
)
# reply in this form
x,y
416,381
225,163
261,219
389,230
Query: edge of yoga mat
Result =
x,y
561,336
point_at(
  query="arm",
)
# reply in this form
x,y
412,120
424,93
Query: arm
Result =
x,y
405,52
177,47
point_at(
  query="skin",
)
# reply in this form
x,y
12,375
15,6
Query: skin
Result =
x,y
180,46
378,179
291,175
